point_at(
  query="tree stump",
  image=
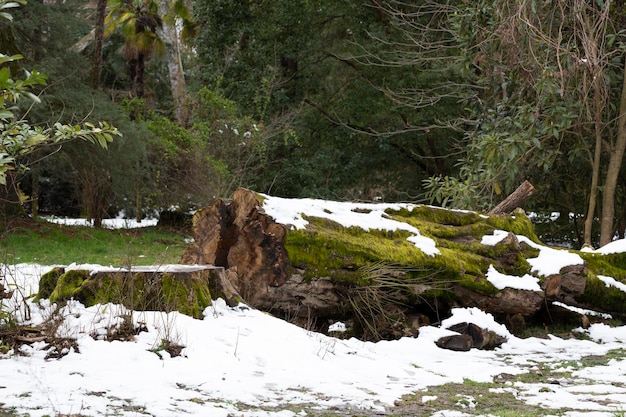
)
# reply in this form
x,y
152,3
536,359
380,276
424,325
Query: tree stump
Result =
x,y
182,288
237,235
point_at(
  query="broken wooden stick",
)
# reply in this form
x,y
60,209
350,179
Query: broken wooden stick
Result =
x,y
516,199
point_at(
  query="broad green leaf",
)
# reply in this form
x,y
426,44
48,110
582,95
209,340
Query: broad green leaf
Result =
x,y
6,58
102,141
5,74
6,114
536,142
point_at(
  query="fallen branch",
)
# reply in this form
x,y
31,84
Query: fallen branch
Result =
x,y
25,339
516,199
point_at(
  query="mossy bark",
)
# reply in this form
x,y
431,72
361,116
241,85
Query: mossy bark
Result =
x,y
396,276
377,278
600,296
69,285
186,291
48,282
327,249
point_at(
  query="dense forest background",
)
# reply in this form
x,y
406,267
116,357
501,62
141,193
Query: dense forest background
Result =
x,y
453,103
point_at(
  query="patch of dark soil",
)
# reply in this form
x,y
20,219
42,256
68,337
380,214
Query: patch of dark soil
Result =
x,y
58,347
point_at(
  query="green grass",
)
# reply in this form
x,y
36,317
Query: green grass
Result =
x,y
504,397
51,244
470,397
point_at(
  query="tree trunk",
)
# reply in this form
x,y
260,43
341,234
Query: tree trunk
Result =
x,y
96,67
138,288
95,195
621,221
615,164
328,272
591,37
34,197
597,154
516,199
593,193
138,74
170,35
178,86
83,42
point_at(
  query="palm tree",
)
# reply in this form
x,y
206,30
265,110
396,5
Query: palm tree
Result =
x,y
138,21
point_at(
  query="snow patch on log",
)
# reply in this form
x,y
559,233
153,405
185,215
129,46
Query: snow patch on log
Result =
x,y
582,311
501,281
612,282
477,317
367,216
549,262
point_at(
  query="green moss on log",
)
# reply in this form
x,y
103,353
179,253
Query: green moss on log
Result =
x,y
185,296
599,295
452,224
327,249
48,282
613,265
68,285
187,293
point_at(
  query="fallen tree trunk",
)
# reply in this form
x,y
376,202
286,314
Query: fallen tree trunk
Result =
x,y
382,269
377,280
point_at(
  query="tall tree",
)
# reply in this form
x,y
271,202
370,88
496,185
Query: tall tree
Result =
x,y
96,68
562,57
616,149
19,139
178,26
138,21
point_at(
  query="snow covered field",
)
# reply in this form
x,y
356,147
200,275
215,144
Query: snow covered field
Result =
x,y
240,362
243,362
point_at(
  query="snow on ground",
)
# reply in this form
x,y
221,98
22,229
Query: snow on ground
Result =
x,y
240,361
119,222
